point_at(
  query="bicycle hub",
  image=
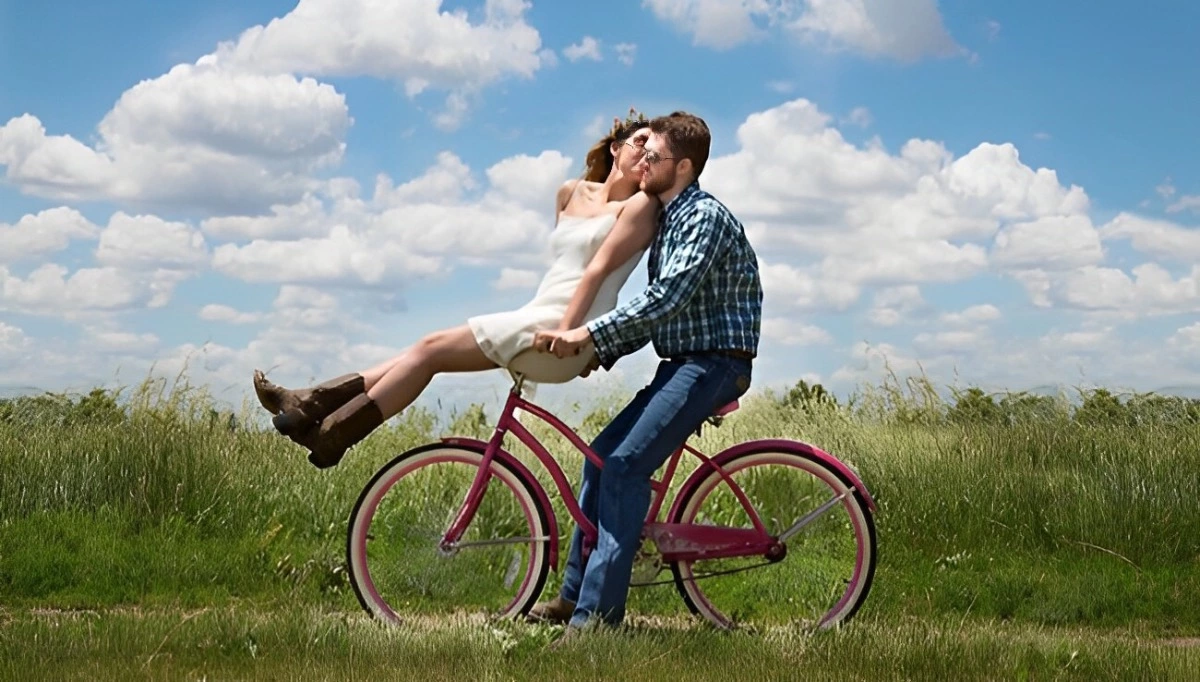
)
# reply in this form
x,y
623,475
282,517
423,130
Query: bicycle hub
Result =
x,y
776,552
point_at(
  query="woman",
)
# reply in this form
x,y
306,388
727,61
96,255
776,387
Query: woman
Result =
x,y
603,225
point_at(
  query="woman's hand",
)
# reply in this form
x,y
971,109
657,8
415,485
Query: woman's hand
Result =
x,y
562,344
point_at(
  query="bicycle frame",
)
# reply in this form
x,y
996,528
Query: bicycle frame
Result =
x,y
676,542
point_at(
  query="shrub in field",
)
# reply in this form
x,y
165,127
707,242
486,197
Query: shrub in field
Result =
x,y
1024,407
99,406
973,406
1101,407
810,399
1150,408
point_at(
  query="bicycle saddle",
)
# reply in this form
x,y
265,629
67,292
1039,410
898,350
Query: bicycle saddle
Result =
x,y
726,409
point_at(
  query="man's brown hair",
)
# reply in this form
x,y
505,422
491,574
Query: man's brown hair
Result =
x,y
687,137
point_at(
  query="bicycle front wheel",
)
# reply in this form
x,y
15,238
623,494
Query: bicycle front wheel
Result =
x,y
397,567
829,538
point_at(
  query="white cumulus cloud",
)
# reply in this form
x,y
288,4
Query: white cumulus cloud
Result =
x,y
897,304
216,312
837,218
587,48
1158,238
248,126
626,53
415,41
514,278
792,332
420,228
147,242
901,29
52,289
38,235
906,30
985,312
719,24
196,137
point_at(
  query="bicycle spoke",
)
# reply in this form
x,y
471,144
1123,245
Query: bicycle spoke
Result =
x,y
811,516
499,541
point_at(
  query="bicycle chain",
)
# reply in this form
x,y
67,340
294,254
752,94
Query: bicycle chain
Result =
x,y
706,575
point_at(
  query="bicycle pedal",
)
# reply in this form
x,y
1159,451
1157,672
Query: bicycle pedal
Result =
x,y
647,564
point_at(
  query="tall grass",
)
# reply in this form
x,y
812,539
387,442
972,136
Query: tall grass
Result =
x,y
158,497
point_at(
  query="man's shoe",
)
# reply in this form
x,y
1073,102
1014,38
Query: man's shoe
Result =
x,y
337,433
557,611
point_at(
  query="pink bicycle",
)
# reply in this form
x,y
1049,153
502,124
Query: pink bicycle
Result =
x,y
766,532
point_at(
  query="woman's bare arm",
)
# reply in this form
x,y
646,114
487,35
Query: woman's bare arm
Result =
x,y
633,232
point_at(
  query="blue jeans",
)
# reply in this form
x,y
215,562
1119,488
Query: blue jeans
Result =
x,y
616,498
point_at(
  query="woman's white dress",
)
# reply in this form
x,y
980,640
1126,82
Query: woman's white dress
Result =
x,y
507,337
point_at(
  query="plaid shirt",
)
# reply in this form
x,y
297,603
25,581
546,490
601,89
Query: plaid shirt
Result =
x,y
704,291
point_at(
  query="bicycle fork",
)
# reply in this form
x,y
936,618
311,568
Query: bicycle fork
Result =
x,y
450,542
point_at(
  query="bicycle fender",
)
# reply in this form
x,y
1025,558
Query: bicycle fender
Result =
x,y
538,490
776,445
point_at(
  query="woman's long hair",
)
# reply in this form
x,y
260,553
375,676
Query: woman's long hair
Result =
x,y
599,159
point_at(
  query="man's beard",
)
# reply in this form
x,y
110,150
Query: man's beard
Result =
x,y
658,184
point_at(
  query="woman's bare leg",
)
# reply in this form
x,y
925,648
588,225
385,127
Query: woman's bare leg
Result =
x,y
373,375
449,350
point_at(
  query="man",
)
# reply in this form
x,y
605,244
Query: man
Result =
x,y
702,310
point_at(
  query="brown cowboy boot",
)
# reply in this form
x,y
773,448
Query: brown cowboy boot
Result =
x,y
349,424
295,411
277,399
557,611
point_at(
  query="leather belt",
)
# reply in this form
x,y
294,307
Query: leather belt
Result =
x,y
731,353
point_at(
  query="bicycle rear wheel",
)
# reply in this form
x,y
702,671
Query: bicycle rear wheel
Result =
x,y
396,565
829,563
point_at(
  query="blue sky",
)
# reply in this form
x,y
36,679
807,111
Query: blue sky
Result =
x,y
1001,194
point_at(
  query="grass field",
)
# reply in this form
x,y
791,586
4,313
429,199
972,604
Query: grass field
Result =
x,y
158,538
263,641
